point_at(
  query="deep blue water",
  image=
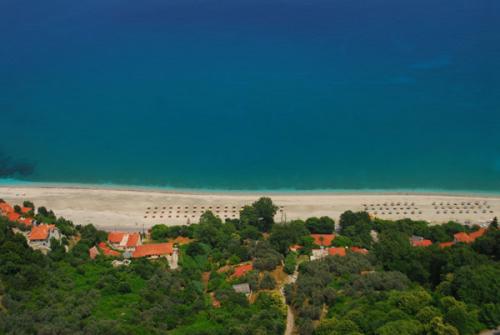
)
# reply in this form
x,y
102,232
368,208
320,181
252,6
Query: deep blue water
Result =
x,y
251,94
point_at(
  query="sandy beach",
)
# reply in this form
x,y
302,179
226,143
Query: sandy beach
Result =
x,y
127,209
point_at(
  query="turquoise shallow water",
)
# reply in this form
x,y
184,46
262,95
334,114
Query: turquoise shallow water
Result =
x,y
296,95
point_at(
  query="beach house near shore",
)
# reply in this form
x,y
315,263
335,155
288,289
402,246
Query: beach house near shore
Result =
x,y
41,235
130,245
157,250
8,211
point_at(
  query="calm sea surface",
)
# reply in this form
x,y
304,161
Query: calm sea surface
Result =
x,y
252,94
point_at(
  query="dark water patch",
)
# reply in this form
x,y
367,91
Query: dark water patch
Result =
x,y
12,167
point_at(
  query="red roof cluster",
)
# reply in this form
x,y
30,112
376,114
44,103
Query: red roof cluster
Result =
x,y
324,240
8,211
5,208
241,270
157,249
107,250
41,232
295,247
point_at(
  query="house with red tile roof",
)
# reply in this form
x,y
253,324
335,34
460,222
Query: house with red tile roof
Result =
x,y
40,236
158,250
242,270
359,250
25,210
153,250
340,251
5,208
13,216
124,241
469,238
323,240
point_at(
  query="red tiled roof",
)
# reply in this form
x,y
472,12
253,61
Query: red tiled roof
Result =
x,y
107,251
157,249
421,243
469,238
324,240
478,233
6,208
336,252
13,216
26,221
41,232
133,240
462,237
446,244
115,237
26,209
110,252
241,270
130,240
359,250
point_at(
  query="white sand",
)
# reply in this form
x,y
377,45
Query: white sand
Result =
x,y
126,209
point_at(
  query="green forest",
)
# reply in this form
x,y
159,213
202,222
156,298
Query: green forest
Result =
x,y
394,289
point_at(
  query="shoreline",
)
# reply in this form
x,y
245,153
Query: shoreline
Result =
x,y
130,209
6,183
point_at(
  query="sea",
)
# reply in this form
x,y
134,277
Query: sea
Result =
x,y
293,95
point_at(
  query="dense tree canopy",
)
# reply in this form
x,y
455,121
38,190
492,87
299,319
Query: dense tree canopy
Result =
x,y
393,289
398,288
322,225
